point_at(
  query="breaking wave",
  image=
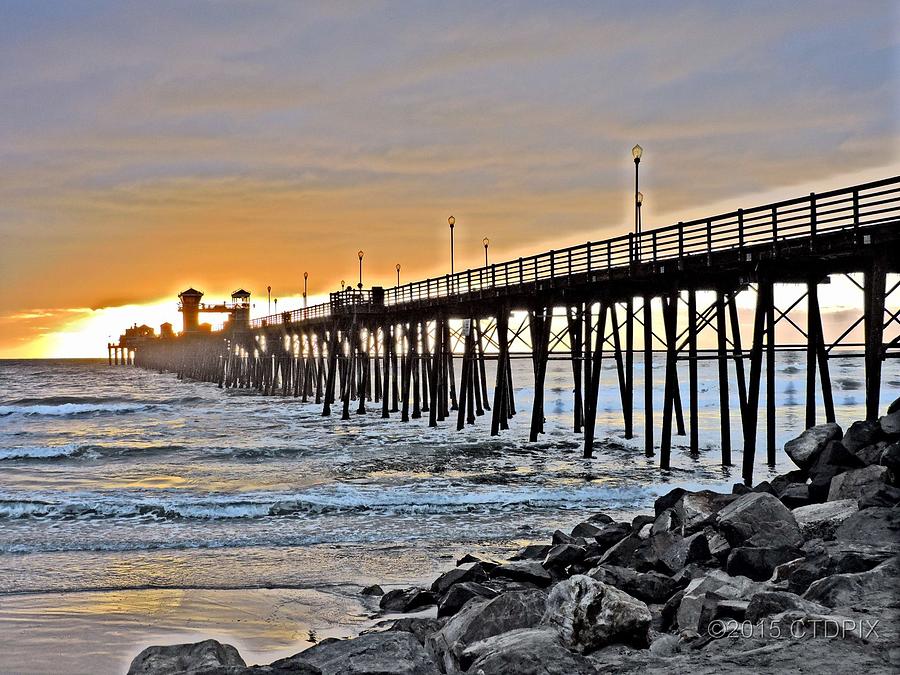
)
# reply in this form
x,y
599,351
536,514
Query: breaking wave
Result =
x,y
64,406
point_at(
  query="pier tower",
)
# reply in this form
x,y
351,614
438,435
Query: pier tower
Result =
x,y
189,306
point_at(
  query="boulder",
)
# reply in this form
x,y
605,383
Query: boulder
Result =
x,y
586,530
422,627
759,562
851,484
890,424
717,544
638,523
667,500
696,510
560,537
667,521
523,570
890,458
612,534
589,614
560,557
621,553
757,520
834,459
875,588
785,480
861,434
600,518
406,599
821,520
893,407
458,575
476,559
874,525
531,552
374,589
649,552
879,495
197,657
804,449
767,603
651,587
871,454
395,652
459,594
481,619
693,548
794,495
526,651
837,558
702,596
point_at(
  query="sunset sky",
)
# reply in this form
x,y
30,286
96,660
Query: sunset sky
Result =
x,y
150,146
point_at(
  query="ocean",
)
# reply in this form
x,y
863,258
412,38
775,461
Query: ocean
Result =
x,y
138,509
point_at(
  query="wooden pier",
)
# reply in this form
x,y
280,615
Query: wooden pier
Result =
x,y
419,349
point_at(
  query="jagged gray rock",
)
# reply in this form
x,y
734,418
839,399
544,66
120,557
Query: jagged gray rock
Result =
x,y
395,652
406,599
861,434
523,570
851,484
876,587
527,651
767,603
589,614
804,449
197,657
459,594
821,520
759,520
759,562
702,595
890,424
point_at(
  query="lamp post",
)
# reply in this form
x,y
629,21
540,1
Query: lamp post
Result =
x,y
305,279
398,274
486,243
269,291
360,254
342,284
276,305
452,222
638,200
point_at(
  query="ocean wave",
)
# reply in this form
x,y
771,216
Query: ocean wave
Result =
x,y
63,406
383,501
74,451
50,452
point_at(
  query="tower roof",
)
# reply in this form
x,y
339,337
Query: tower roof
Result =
x,y
191,293
240,293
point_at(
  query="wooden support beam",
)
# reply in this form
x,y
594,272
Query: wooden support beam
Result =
x,y
812,344
751,414
628,403
770,382
874,279
648,376
541,320
481,366
670,319
724,396
435,407
822,355
693,380
387,349
574,317
590,404
498,416
465,375
738,352
617,355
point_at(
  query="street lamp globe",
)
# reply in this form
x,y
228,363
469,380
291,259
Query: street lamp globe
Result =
x,y
452,221
485,241
360,254
636,152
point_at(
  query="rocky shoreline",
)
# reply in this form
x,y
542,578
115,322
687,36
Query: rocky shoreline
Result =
x,y
800,573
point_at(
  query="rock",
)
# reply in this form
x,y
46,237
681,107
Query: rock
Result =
x,y
758,563
651,587
374,589
696,510
834,459
649,553
821,520
601,518
197,657
474,558
612,534
766,603
890,424
667,500
879,495
871,454
622,552
873,525
763,486
731,609
639,522
702,596
479,620
860,434
758,520
527,651
804,449
837,558
589,614
740,489
851,484
531,552
458,575
586,530
560,537
893,407
560,557
794,495
459,594
874,588
667,521
890,458
523,570
406,599
690,549
717,544
421,627
785,480
395,652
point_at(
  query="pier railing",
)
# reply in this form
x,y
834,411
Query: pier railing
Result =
x,y
850,208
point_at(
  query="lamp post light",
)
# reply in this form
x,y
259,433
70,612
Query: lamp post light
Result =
x,y
305,281
269,291
452,221
398,274
360,254
342,284
486,243
276,305
636,152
